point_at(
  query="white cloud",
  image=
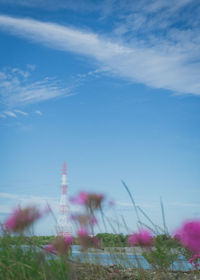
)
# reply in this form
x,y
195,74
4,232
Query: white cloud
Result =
x,y
130,205
21,112
182,204
9,201
13,114
38,112
31,67
8,195
159,65
10,114
17,88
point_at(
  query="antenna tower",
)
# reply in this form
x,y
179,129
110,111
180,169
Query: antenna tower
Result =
x,y
63,222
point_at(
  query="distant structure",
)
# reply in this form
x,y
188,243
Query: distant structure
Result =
x,y
63,222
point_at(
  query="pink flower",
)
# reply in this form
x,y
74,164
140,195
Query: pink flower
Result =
x,y
90,200
96,242
22,218
80,199
82,232
86,240
68,240
194,260
60,245
189,235
94,201
50,248
143,238
10,223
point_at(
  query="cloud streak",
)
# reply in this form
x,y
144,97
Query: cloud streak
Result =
x,y
167,68
17,88
10,201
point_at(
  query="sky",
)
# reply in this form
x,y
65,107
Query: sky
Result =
x,y
112,87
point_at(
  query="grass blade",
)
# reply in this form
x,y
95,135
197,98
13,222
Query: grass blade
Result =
x,y
132,200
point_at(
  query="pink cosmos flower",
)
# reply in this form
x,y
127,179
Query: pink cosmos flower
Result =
x,y
90,200
12,220
82,232
194,261
60,245
143,238
50,248
22,218
68,240
86,240
80,199
96,242
189,235
94,201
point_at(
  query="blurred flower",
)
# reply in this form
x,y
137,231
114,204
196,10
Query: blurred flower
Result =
x,y
96,241
22,218
87,241
194,260
84,219
60,245
80,199
82,232
143,238
50,248
94,201
189,235
90,200
68,240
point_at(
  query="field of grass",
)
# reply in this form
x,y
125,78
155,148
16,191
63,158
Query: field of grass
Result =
x,y
27,257
32,262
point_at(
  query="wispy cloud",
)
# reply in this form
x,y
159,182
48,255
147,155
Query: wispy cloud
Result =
x,y
9,195
10,114
10,201
130,205
13,114
158,64
38,112
21,112
18,88
184,204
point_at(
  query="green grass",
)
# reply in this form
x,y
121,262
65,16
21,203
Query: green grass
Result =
x,y
23,257
24,262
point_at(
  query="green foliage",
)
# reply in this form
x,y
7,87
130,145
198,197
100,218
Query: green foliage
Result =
x,y
112,240
36,240
163,253
22,262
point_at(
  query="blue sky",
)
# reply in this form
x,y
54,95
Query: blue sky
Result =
x,y
112,87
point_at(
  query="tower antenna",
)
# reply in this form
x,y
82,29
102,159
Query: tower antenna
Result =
x,y
63,222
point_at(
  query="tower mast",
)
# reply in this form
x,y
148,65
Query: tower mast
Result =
x,y
63,223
